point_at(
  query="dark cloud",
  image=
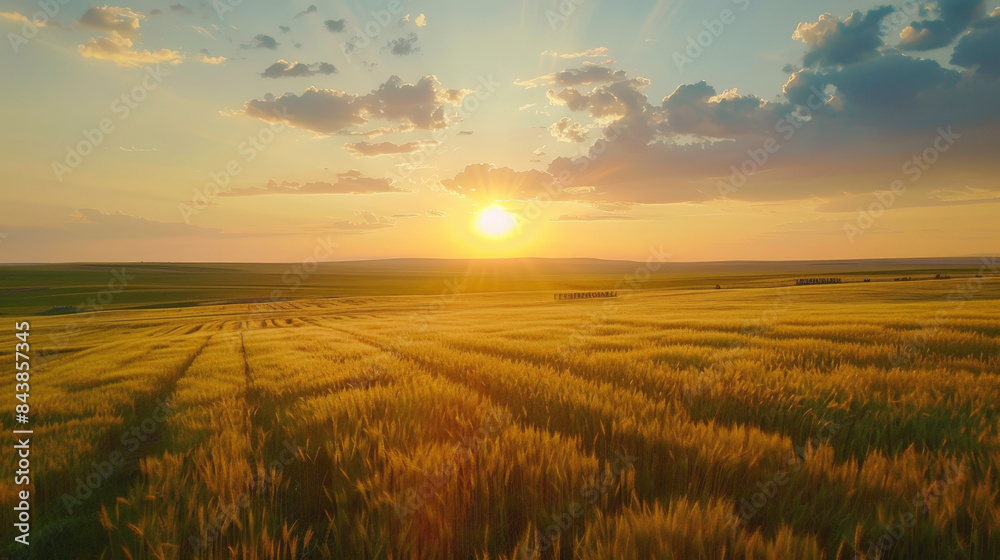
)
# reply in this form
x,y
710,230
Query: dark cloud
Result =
x,y
589,74
404,45
842,42
874,113
284,29
182,9
283,69
310,10
327,111
335,25
980,48
262,42
954,17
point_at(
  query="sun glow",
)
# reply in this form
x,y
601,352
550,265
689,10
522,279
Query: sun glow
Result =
x,y
495,222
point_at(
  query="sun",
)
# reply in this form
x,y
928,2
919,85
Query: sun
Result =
x,y
495,222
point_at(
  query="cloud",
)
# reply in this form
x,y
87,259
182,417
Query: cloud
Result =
x,y
119,50
876,113
95,223
567,131
284,29
182,9
335,25
466,133
327,111
954,17
404,45
351,182
21,18
483,182
598,52
589,74
283,69
420,21
368,222
206,59
697,109
842,42
373,149
980,47
262,42
122,22
310,10
594,218
430,213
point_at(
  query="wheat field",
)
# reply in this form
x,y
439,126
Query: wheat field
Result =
x,y
837,422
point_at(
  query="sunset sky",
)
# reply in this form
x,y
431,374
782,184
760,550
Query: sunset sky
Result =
x,y
717,130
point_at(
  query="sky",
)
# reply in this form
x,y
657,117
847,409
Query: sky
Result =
x,y
252,131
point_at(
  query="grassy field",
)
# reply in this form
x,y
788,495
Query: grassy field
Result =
x,y
762,420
